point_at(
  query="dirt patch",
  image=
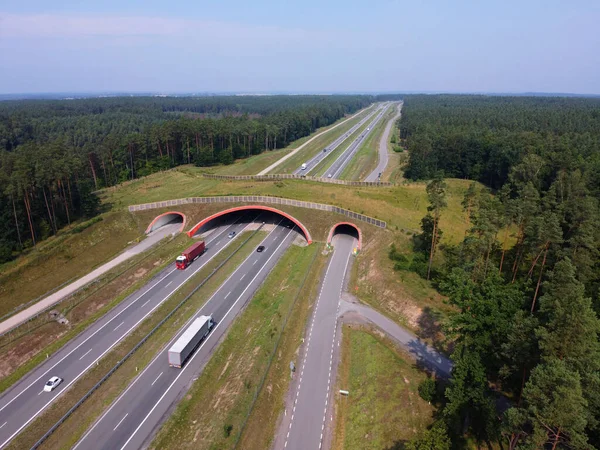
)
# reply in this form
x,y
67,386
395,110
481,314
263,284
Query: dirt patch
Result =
x,y
140,272
27,348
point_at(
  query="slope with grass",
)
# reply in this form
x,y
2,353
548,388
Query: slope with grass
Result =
x,y
75,252
383,409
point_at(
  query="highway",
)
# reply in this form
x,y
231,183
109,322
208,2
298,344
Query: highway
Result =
x,y
46,302
315,160
303,426
26,400
383,148
338,166
132,419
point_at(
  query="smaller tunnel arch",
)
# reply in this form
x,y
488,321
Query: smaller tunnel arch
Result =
x,y
343,225
167,218
206,220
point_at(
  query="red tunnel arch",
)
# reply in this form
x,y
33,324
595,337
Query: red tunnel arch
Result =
x,y
345,223
196,227
157,218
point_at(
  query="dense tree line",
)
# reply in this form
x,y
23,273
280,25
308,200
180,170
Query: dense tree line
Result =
x,y
55,153
525,280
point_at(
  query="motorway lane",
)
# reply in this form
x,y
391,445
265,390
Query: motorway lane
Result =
x,y
336,169
303,426
132,419
383,148
315,160
26,400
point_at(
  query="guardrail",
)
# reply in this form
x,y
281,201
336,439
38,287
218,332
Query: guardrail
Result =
x,y
136,347
260,199
287,176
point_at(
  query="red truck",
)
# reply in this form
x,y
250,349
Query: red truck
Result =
x,y
187,256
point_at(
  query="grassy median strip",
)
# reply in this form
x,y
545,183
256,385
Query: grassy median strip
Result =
x,y
74,427
217,406
22,352
323,166
318,144
383,408
365,159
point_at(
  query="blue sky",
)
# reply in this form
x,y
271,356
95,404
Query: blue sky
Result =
x,y
302,46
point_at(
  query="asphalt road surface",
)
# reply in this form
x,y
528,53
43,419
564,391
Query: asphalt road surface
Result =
x,y
26,399
315,160
303,425
383,148
132,419
338,166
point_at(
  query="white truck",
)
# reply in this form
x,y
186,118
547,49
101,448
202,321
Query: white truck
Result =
x,y
303,166
189,340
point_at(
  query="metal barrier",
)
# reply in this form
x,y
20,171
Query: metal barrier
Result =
x,y
136,347
260,199
288,176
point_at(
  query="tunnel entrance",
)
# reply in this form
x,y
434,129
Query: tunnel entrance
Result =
x,y
348,229
247,215
168,218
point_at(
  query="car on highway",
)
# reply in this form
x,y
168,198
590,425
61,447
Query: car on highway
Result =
x,y
260,248
329,176
230,235
324,150
52,384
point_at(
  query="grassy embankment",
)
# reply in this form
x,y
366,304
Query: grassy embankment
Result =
x,y
215,409
365,159
383,409
76,253
253,165
76,425
322,168
394,172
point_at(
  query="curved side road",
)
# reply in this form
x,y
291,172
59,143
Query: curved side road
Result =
x,y
354,312
23,316
135,415
383,147
293,152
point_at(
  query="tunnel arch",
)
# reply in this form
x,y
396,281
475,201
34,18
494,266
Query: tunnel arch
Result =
x,y
333,228
204,221
166,218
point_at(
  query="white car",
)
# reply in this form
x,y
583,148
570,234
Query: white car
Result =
x,y
329,176
52,384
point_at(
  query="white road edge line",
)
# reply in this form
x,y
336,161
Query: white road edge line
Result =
x,y
156,379
120,422
108,349
159,354
202,345
85,354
